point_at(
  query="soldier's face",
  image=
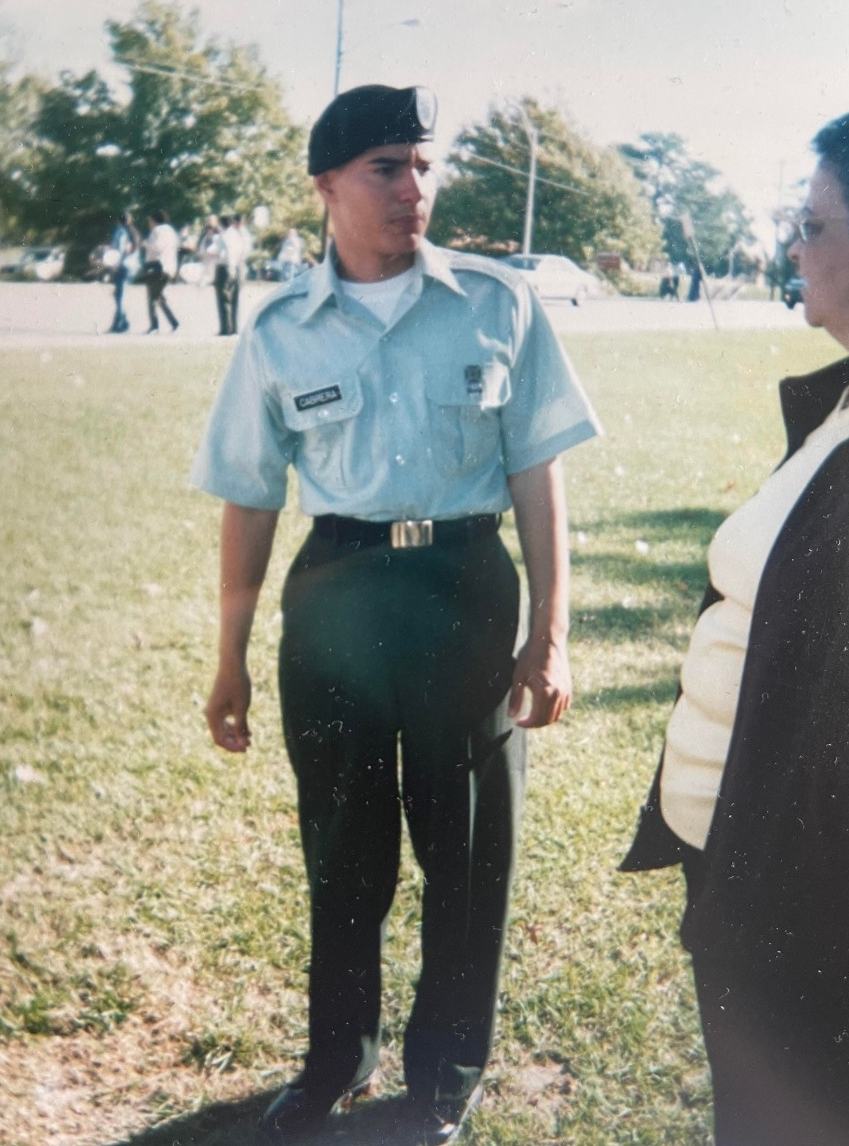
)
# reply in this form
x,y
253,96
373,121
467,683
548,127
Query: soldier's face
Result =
x,y
380,203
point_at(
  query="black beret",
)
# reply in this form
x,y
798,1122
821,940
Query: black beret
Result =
x,y
366,117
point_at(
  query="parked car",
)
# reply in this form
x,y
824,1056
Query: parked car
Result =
x,y
11,265
555,276
275,271
42,264
792,291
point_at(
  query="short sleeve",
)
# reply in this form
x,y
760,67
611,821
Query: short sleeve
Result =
x,y
548,411
246,451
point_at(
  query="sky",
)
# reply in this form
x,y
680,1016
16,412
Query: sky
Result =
x,y
747,83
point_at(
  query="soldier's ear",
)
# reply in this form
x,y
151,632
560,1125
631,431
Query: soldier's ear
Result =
x,y
325,186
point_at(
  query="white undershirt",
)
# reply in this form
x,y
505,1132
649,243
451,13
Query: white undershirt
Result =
x,y
382,297
702,721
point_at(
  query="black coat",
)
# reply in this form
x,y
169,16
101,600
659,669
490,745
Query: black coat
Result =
x,y
802,591
776,863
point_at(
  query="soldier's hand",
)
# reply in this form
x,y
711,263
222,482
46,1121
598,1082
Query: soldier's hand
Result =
x,y
542,668
227,709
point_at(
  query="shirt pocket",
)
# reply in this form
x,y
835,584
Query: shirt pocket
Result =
x,y
323,413
465,405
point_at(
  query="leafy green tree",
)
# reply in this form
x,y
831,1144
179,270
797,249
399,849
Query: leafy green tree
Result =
x,y
586,198
203,129
676,183
19,103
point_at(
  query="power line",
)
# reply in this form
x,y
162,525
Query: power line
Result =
x,y
524,174
176,73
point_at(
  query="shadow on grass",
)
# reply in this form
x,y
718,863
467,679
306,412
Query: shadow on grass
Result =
x,y
377,1122
620,622
697,521
681,582
660,691
695,527
687,576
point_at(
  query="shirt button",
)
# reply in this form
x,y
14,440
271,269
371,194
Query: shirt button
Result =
x,y
393,398
399,459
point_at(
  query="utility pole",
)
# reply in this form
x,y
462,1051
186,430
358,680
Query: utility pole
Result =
x,y
340,24
533,144
689,233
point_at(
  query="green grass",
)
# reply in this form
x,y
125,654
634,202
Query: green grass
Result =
x,y
152,904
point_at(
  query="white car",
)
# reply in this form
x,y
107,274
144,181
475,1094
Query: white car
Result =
x,y
555,276
42,263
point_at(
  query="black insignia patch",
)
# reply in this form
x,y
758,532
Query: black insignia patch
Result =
x,y
474,381
317,398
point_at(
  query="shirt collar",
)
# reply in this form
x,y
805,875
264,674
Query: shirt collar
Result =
x,y
323,283
430,262
433,263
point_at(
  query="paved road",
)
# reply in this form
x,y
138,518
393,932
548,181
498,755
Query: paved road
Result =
x,y
79,313
621,314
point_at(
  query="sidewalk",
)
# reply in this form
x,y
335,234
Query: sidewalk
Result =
x,y
78,313
81,314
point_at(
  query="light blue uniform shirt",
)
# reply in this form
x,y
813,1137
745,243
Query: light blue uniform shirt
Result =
x,y
421,418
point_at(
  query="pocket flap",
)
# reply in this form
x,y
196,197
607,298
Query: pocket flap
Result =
x,y
486,386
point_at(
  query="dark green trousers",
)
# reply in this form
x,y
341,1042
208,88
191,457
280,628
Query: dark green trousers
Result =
x,y
384,648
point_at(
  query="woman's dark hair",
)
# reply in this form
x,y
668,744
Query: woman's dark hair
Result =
x,y
831,144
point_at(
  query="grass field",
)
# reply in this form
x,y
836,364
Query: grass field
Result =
x,y
153,919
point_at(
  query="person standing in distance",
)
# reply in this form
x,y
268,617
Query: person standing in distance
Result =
x,y
160,267
229,249
418,393
124,246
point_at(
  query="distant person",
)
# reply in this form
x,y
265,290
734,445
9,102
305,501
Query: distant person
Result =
x,y
187,245
123,252
160,267
694,293
229,252
752,793
291,255
247,241
207,250
669,282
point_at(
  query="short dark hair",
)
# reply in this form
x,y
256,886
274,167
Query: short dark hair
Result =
x,y
831,144
160,216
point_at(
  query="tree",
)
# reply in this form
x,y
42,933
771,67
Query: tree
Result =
x,y
202,130
19,103
586,198
676,183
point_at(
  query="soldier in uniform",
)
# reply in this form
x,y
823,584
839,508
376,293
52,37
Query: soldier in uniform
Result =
x,y
418,394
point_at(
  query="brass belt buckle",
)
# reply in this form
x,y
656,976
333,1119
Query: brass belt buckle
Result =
x,y
411,534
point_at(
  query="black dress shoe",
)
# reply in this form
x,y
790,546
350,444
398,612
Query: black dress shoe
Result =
x,y
300,1108
443,1120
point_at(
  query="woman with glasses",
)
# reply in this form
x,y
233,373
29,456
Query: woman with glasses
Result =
x,y
752,793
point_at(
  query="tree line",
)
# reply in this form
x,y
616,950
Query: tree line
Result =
x,y
200,127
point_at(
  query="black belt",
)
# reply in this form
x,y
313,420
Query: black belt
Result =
x,y
405,534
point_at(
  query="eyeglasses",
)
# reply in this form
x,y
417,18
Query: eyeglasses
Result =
x,y
807,230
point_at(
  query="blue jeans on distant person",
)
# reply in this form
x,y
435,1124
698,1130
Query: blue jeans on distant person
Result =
x,y
120,322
